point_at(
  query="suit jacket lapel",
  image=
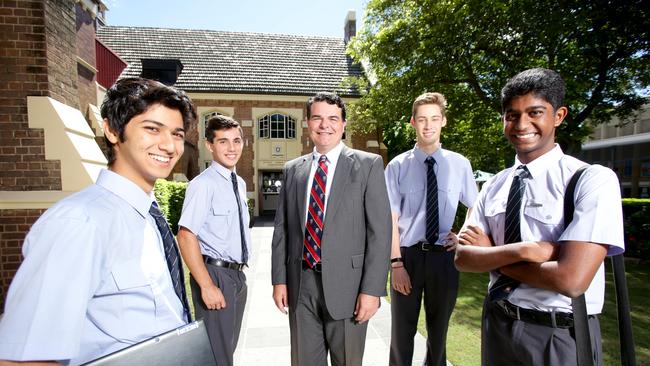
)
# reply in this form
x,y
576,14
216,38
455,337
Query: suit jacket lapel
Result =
x,y
302,174
341,178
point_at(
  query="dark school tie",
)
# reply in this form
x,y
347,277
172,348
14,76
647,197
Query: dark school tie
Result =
x,y
172,256
433,221
242,235
315,215
504,285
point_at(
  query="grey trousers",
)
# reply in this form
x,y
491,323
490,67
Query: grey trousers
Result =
x,y
434,275
507,341
314,333
223,325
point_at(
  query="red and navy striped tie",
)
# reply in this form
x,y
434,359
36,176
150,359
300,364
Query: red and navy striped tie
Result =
x,y
315,215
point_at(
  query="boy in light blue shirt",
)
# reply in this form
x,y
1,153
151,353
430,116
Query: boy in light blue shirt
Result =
x,y
95,277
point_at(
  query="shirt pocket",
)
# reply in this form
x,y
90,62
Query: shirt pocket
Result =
x,y
132,307
221,219
128,276
545,219
448,203
413,197
495,214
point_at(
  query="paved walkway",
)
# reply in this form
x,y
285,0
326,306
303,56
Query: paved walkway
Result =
x,y
264,338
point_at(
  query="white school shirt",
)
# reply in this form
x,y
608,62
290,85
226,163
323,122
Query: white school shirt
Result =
x,y
598,218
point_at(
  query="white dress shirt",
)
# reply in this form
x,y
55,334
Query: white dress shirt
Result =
x,y
597,218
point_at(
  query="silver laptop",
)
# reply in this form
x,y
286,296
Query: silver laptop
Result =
x,y
187,346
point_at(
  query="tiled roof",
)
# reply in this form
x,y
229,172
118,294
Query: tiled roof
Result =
x,y
232,62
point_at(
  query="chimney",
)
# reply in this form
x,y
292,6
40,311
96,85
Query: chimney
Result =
x,y
165,71
350,29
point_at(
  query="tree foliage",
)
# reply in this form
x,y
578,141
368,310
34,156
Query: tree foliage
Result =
x,y
468,49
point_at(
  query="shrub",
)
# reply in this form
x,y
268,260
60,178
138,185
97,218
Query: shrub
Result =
x,y
637,227
170,196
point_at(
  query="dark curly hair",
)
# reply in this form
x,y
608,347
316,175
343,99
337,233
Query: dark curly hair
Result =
x,y
130,97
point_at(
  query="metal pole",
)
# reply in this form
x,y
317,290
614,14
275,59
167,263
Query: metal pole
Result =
x,y
628,357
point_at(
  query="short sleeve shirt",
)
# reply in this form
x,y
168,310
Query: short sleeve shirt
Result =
x,y
597,218
210,212
93,280
406,181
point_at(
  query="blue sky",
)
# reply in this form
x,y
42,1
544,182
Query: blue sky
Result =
x,y
313,18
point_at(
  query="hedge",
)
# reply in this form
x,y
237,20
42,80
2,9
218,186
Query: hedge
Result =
x,y
170,196
636,216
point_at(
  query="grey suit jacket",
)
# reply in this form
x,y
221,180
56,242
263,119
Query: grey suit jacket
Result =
x,y
355,246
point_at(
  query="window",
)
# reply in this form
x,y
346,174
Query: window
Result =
x,y
277,126
206,118
645,168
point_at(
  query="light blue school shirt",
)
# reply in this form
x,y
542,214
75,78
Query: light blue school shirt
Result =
x,y
406,181
210,212
91,282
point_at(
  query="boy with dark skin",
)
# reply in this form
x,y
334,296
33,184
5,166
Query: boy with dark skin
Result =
x,y
528,321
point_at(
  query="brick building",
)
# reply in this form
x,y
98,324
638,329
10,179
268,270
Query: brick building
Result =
x,y
55,71
261,80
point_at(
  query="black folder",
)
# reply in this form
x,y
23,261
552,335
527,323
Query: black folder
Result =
x,y
185,346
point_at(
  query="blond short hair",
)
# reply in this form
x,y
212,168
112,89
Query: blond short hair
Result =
x,y
431,98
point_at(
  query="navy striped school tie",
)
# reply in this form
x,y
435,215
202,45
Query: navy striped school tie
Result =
x,y
504,285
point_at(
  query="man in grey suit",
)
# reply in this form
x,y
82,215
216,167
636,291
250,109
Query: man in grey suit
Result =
x,y
331,242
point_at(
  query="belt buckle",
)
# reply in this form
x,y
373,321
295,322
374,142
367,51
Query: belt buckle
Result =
x,y
509,309
425,246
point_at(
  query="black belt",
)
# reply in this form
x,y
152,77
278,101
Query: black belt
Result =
x,y
224,264
546,318
317,268
425,246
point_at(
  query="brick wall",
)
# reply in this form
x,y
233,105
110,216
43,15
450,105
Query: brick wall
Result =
x,y
24,72
359,141
61,51
85,50
37,58
14,225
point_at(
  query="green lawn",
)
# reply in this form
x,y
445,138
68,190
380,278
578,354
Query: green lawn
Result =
x,y
464,338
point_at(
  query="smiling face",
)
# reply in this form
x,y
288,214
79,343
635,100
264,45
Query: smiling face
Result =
x,y
326,126
428,122
529,124
226,147
153,143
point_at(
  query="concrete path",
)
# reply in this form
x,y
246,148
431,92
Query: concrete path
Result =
x,y
264,338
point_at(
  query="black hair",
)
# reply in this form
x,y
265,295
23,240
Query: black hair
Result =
x,y
220,122
543,83
130,97
329,98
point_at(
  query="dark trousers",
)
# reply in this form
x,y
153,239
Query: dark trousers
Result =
x,y
223,325
507,341
434,275
314,333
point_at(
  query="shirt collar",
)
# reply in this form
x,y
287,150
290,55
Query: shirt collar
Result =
x,y
332,155
126,190
222,170
540,165
421,155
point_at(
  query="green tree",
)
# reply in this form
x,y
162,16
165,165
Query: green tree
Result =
x,y
468,49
